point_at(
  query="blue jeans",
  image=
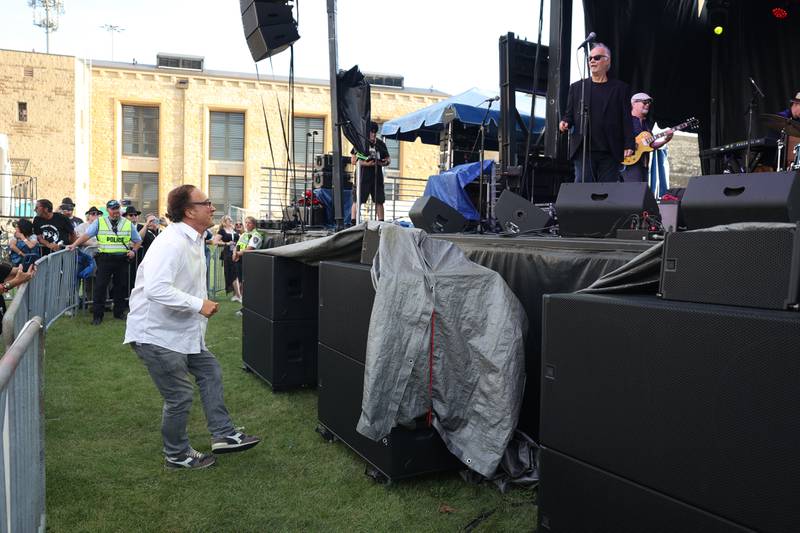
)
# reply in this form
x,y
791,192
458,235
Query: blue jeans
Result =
x,y
171,374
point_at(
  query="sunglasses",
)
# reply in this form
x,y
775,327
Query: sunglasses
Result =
x,y
645,102
597,58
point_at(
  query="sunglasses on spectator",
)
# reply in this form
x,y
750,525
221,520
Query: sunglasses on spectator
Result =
x,y
597,58
645,102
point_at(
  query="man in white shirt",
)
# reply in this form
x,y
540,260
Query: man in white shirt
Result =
x,y
166,327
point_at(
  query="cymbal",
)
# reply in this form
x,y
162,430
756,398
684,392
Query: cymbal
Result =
x,y
778,123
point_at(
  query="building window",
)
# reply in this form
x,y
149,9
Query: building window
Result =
x,y
224,192
305,145
28,72
141,188
227,136
140,131
22,111
393,145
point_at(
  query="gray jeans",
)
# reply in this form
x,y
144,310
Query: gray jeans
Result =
x,y
170,372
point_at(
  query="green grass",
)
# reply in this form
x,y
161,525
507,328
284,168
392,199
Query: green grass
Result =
x,y
105,470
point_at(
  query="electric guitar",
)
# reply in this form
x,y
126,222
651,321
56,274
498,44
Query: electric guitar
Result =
x,y
645,140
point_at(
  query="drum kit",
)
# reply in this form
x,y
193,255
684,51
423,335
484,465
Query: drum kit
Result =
x,y
787,128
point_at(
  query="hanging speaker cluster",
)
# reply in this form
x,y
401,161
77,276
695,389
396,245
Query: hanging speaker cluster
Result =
x,y
269,26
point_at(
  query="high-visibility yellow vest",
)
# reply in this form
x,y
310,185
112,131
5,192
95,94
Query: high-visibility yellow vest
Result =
x,y
111,242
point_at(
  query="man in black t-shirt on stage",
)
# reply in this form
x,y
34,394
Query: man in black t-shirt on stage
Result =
x,y
609,129
53,230
371,174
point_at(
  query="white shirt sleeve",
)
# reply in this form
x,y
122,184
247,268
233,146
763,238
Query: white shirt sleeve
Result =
x,y
255,241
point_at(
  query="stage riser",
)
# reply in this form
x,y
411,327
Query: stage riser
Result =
x,y
698,402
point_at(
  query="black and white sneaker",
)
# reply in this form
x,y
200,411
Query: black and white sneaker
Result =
x,y
235,442
190,459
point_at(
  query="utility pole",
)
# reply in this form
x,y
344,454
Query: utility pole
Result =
x,y
45,15
112,29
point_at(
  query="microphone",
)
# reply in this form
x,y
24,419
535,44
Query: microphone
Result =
x,y
589,38
492,99
755,86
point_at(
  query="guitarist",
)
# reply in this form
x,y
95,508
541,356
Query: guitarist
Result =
x,y
640,107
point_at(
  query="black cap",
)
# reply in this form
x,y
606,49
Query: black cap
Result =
x,y
112,204
93,209
67,203
373,127
130,210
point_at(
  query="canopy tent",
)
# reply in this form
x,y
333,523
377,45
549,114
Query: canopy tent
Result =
x,y
469,108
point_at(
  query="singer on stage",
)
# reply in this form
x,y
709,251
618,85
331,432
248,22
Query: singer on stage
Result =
x,y
609,132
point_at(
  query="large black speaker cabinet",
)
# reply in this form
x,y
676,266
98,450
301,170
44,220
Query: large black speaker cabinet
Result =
x,y
435,216
600,209
575,497
269,27
752,268
279,288
728,198
345,305
517,215
695,401
283,353
401,454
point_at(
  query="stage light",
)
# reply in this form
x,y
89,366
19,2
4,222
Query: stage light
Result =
x,y
718,30
780,13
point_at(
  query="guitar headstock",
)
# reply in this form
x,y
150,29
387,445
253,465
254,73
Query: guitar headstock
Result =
x,y
691,123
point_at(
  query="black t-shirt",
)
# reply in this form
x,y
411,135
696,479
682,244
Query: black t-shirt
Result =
x,y
600,94
381,152
58,229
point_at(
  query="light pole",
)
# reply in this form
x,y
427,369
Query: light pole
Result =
x,y
112,29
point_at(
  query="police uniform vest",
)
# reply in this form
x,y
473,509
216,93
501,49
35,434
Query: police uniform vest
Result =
x,y
110,241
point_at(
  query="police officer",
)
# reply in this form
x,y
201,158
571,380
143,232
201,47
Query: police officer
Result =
x,y
117,240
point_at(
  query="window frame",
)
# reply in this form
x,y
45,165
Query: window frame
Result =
x,y
227,202
139,201
140,132
228,147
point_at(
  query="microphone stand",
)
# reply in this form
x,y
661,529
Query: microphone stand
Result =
x,y
305,184
480,180
750,109
584,114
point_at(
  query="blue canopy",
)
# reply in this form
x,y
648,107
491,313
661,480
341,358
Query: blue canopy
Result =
x,y
468,108
449,186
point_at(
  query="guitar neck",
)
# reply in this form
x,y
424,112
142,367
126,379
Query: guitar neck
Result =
x,y
679,127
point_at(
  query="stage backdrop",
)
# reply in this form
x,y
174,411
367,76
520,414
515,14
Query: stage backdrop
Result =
x,y
663,48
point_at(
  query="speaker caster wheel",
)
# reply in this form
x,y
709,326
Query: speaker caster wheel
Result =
x,y
326,433
377,476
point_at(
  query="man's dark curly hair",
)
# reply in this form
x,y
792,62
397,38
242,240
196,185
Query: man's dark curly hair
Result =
x,y
178,201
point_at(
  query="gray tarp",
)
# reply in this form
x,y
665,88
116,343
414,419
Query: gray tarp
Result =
x,y
478,363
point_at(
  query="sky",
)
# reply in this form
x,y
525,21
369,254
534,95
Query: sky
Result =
x,y
448,45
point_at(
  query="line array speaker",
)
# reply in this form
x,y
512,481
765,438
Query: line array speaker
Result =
x,y
269,27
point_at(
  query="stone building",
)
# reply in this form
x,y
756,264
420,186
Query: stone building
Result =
x,y
95,130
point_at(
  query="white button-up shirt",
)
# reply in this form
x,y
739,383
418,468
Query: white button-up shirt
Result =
x,y
170,289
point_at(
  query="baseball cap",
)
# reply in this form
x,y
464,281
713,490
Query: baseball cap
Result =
x,y
112,204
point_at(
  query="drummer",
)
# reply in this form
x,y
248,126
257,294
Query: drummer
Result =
x,y
794,110
793,113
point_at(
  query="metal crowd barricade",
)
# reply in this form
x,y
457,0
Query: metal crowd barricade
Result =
x,y
22,466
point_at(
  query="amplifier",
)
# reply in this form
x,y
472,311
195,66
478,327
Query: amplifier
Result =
x,y
751,268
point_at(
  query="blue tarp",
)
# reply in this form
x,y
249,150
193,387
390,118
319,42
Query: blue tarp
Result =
x,y
449,186
468,108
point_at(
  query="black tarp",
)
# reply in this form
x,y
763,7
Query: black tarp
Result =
x,y
354,107
663,48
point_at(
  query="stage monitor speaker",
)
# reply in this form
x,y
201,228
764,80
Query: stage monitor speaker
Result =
x,y
518,215
369,246
695,401
345,306
269,27
401,454
751,268
575,497
282,353
435,216
279,288
728,198
599,209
